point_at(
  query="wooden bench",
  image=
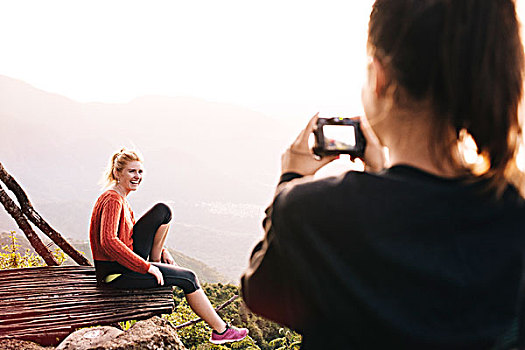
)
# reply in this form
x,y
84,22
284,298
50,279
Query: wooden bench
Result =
x,y
45,304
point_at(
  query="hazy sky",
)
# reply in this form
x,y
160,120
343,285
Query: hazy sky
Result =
x,y
255,53
279,57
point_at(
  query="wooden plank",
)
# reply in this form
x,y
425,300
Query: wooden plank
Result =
x,y
31,317
45,304
78,320
89,298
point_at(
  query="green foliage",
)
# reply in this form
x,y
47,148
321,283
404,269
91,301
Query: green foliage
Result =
x,y
11,258
197,336
125,325
289,340
264,334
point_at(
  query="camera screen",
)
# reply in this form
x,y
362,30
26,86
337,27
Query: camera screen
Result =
x,y
339,137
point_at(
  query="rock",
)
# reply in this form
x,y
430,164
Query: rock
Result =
x,y
88,338
152,334
16,344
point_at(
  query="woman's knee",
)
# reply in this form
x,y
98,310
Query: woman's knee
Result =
x,y
164,211
183,278
193,278
193,282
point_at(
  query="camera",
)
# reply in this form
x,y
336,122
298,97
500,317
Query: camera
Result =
x,y
335,136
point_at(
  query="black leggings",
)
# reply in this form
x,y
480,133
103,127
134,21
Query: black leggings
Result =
x,y
143,236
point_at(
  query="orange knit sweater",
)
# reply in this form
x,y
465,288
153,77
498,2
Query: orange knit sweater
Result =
x,y
110,232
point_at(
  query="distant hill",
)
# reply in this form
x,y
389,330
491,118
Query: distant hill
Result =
x,y
203,271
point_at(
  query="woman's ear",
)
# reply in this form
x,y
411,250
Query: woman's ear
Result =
x,y
379,78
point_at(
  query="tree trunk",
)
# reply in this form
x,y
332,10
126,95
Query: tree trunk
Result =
x,y
35,241
30,212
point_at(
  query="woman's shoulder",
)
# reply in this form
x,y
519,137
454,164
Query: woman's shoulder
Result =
x,y
109,196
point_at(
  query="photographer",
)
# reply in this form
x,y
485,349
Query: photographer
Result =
x,y
424,249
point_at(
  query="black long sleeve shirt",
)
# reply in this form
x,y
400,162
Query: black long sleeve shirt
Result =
x,y
400,259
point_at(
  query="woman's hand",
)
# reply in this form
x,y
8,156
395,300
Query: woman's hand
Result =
x,y
154,270
374,152
166,257
298,158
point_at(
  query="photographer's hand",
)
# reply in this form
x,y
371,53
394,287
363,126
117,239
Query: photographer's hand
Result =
x,y
298,158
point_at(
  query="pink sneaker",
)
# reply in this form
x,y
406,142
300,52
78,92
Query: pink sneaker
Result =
x,y
231,334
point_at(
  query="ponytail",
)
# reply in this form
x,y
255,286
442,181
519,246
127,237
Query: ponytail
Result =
x,y
466,58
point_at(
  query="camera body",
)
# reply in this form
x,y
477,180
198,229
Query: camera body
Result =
x,y
335,136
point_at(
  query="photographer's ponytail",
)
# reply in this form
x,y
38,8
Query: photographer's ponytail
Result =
x,y
482,93
466,58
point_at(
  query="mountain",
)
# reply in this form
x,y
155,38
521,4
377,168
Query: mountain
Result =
x,y
214,164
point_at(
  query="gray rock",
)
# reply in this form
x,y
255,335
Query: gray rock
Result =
x,y
152,334
88,338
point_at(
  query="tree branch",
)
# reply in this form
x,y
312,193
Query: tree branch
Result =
x,y
197,320
35,218
22,222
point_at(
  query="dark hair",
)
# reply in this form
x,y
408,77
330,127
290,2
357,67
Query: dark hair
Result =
x,y
465,57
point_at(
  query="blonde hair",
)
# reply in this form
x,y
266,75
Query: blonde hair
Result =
x,y
117,162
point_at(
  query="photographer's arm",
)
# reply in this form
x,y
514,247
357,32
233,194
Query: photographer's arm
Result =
x,y
269,286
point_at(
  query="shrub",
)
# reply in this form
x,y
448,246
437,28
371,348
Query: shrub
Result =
x,y
11,258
